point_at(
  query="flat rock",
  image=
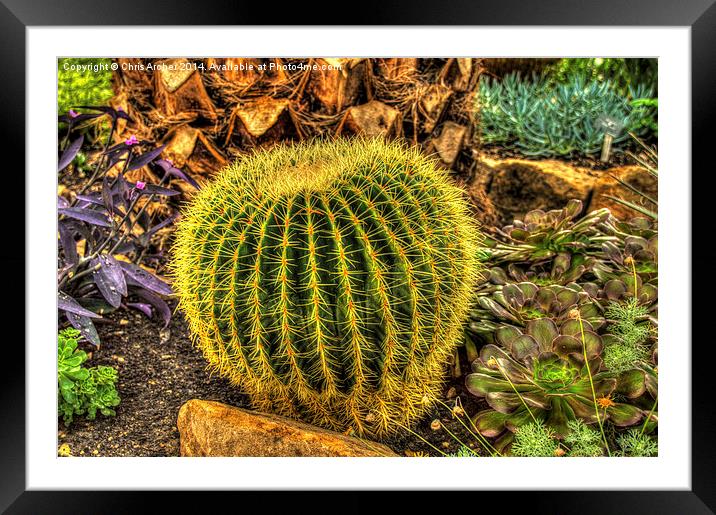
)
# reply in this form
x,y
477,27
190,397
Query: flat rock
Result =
x,y
208,428
517,186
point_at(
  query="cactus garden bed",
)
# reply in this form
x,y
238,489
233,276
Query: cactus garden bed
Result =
x,y
456,271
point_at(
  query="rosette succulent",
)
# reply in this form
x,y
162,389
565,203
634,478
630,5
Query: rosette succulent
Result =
x,y
541,235
541,375
517,304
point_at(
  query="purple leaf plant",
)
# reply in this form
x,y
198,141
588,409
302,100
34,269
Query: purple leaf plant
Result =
x,y
105,235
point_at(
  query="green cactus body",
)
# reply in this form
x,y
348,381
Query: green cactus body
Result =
x,y
330,280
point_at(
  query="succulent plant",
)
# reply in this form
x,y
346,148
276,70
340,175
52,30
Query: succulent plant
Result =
x,y
542,375
541,236
330,280
541,118
519,303
563,269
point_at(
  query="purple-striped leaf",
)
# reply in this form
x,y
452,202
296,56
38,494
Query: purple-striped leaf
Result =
x,y
152,189
86,215
97,200
91,198
70,152
70,305
114,113
85,326
113,272
162,224
106,284
145,279
170,169
145,159
141,306
62,202
67,242
162,307
107,198
77,119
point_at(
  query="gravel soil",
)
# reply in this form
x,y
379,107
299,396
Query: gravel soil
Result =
x,y
159,370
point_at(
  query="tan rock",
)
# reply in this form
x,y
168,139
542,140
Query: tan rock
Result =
x,y
607,185
208,428
518,186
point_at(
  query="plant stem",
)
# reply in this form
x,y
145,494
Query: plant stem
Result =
x,y
478,436
591,384
648,417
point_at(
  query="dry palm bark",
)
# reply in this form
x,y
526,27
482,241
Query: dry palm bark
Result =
x,y
212,110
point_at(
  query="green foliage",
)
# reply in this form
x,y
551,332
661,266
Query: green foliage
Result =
x,y
565,318
628,321
534,440
82,87
646,119
82,391
463,452
330,280
622,73
635,444
583,440
619,357
544,118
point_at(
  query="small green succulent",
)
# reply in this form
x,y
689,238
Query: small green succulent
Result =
x,y
83,81
82,391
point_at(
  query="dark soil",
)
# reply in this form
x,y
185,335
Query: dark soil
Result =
x,y
159,370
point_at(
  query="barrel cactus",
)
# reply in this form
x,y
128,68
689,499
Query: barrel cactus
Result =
x,y
329,280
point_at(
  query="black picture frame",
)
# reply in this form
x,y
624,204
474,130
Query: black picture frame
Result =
x,y
700,15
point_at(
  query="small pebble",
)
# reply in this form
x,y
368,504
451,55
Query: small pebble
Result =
x,y
124,321
451,393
